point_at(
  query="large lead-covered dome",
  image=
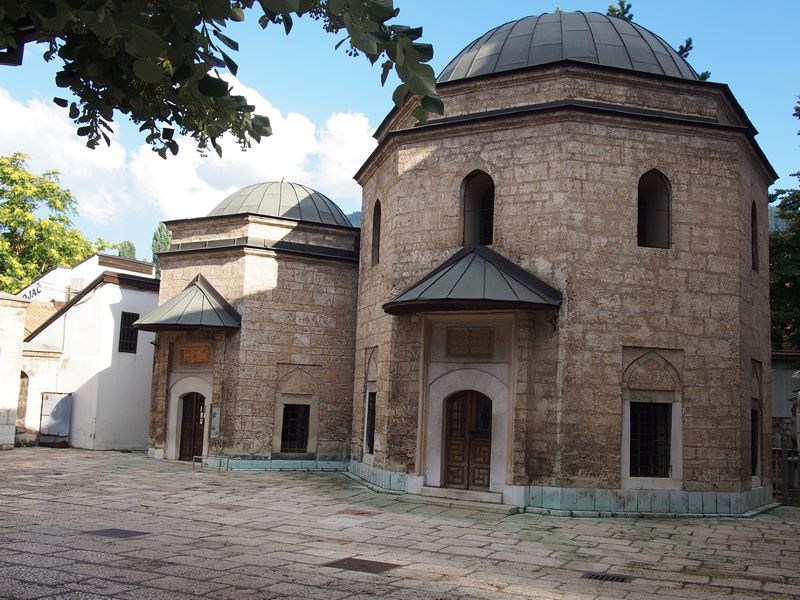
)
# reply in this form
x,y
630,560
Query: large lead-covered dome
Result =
x,y
284,200
585,37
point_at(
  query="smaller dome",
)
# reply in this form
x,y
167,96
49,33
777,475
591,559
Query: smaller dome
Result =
x,y
284,200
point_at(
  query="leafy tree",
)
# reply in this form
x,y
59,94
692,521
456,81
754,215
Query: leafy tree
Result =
x,y
623,11
162,238
784,268
36,231
126,249
158,61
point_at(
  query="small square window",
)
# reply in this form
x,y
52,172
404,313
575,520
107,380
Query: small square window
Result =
x,y
128,336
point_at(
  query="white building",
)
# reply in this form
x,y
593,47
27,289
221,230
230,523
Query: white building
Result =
x,y
88,351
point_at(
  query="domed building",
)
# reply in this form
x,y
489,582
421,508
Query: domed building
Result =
x,y
251,360
563,297
560,301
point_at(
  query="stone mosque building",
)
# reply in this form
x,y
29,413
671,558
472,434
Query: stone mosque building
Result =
x,y
558,298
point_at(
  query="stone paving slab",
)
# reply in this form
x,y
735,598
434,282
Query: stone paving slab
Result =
x,y
271,534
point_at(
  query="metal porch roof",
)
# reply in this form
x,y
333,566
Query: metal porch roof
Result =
x,y
476,278
198,306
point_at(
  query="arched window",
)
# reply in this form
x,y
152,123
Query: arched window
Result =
x,y
376,233
754,236
478,209
654,211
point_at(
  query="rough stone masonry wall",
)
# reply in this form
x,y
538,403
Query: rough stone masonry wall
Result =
x,y
565,208
297,313
555,83
225,271
755,340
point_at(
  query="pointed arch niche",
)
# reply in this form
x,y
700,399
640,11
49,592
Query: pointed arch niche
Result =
x,y
295,429
652,420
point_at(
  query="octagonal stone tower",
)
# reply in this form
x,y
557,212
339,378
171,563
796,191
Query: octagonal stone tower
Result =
x,y
563,297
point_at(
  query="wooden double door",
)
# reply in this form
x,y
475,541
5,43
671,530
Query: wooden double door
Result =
x,y
193,417
467,440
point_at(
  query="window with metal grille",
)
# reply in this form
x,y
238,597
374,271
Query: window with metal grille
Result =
x,y
128,336
294,435
754,441
369,437
651,423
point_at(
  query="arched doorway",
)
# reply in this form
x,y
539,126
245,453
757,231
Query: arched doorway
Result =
x,y
467,440
193,415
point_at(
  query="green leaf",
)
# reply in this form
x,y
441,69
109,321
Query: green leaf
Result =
x,y
425,52
232,44
147,70
45,8
386,68
84,131
399,94
143,42
61,102
237,14
213,87
282,6
433,104
420,114
216,9
232,66
73,111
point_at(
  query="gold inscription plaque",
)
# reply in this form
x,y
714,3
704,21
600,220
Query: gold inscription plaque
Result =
x,y
193,355
469,342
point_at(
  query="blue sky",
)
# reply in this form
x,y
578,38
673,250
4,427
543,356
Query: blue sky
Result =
x,y
324,105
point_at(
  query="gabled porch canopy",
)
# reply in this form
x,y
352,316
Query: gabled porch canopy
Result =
x,y
475,278
198,306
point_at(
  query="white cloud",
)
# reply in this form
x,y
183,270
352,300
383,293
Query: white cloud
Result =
x,y
43,131
112,182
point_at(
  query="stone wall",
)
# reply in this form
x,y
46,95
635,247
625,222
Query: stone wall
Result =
x,y
566,209
12,328
297,324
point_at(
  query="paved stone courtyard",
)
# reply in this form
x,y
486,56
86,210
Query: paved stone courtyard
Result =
x,y
270,535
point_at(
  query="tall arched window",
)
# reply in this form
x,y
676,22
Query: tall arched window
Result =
x,y
754,236
478,209
653,230
376,233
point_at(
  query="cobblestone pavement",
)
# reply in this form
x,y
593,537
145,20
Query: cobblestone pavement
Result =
x,y
271,535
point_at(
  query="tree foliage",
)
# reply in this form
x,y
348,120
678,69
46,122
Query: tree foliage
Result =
x,y
622,10
784,271
36,231
126,249
162,238
159,61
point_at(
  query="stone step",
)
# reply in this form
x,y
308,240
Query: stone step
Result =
x,y
465,495
493,504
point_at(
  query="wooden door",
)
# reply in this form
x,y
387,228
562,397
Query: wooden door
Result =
x,y
192,420
468,441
